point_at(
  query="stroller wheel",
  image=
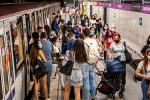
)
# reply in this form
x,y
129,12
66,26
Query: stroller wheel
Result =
x,y
112,96
120,94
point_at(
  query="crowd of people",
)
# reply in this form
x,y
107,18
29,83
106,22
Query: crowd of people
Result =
x,y
83,41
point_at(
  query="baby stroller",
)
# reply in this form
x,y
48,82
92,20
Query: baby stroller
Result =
x,y
111,79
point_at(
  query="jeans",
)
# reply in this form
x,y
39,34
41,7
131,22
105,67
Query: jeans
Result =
x,y
88,81
144,87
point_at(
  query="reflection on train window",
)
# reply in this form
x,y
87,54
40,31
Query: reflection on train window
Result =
x,y
7,63
17,43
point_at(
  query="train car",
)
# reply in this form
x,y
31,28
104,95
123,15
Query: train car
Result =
x,y
15,32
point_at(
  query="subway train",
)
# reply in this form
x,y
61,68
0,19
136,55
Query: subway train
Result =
x,y
15,30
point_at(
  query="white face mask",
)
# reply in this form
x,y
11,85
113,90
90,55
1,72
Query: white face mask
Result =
x,y
113,29
40,44
86,24
105,27
148,58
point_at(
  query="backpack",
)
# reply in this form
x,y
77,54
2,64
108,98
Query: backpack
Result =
x,y
92,53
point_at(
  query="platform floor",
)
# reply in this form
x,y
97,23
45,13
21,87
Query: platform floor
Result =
x,y
132,92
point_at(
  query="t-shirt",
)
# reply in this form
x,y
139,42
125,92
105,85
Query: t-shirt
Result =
x,y
117,49
47,50
141,67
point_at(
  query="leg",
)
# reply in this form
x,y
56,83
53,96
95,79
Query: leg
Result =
x,y
67,91
36,89
44,86
92,81
86,85
144,87
77,93
48,83
61,80
124,75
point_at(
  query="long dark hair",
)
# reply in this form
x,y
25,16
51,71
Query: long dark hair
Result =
x,y
145,60
80,52
35,49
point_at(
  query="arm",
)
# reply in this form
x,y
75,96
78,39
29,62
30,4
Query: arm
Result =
x,y
138,73
41,55
110,54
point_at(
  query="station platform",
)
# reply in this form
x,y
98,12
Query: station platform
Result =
x,y
132,89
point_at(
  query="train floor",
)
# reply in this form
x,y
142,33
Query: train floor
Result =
x,y
132,89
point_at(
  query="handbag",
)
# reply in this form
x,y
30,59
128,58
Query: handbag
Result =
x,y
39,69
67,68
128,55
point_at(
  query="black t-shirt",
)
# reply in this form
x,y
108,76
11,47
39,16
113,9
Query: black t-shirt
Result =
x,y
144,49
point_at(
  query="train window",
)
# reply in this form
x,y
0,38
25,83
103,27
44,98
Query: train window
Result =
x,y
33,22
17,31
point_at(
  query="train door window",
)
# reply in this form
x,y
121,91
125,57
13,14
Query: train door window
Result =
x,y
16,29
33,22
28,26
40,18
37,18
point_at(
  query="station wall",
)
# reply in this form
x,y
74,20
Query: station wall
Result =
x,y
133,26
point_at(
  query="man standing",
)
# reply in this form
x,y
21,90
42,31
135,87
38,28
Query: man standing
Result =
x,y
47,49
88,71
55,25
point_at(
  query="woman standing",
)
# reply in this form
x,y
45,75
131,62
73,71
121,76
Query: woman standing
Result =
x,y
37,53
116,51
76,79
145,67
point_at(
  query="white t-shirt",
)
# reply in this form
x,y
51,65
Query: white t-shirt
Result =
x,y
117,49
141,67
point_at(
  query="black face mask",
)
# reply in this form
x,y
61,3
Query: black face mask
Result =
x,y
109,35
117,41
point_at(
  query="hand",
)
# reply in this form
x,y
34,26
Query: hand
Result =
x,y
145,77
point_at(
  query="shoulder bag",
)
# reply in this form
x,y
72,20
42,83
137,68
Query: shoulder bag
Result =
x,y
127,54
67,68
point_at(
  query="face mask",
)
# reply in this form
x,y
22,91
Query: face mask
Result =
x,y
117,41
105,27
109,35
148,58
40,44
86,24
113,29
